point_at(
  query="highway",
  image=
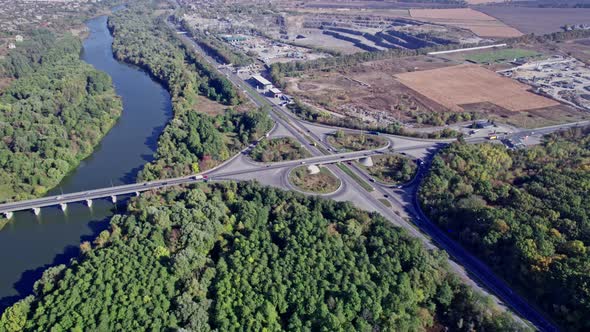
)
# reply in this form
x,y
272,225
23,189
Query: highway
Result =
x,y
475,268
114,191
310,137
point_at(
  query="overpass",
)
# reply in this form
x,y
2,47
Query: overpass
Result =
x,y
111,193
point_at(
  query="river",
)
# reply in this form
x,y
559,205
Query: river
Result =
x,y
29,244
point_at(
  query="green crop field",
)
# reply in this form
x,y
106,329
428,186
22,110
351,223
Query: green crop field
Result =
x,y
504,55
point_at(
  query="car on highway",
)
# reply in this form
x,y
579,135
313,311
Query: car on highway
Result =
x,y
301,163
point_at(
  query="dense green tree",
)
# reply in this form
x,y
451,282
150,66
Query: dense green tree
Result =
x,y
192,140
249,258
525,212
52,115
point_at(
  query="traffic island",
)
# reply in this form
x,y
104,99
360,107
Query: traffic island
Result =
x,y
279,149
391,169
355,142
314,179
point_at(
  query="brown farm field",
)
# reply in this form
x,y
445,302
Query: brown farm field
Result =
x,y
538,20
469,84
373,92
368,90
479,23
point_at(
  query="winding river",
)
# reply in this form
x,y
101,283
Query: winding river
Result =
x,y
29,244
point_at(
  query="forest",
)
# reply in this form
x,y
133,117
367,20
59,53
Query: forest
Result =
x,y
238,256
526,213
193,141
54,112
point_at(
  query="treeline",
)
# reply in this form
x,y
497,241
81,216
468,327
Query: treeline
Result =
x,y
192,141
280,70
52,115
242,257
306,112
526,213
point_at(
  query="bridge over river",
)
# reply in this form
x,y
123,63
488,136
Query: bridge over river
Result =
x,y
88,196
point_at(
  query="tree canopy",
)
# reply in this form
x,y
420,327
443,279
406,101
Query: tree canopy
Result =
x,y
52,115
192,140
244,257
524,212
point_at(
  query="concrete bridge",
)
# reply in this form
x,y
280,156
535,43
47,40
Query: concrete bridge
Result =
x,y
111,193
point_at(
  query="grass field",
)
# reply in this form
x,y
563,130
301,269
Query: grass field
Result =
x,y
500,56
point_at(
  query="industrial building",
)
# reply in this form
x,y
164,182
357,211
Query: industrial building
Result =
x,y
261,82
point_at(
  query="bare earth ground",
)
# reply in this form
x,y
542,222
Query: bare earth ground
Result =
x,y
210,107
479,23
538,20
579,49
371,91
328,42
468,84
535,118
337,92
4,82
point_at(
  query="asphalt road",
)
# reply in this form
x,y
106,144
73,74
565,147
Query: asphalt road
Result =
x,y
312,139
480,271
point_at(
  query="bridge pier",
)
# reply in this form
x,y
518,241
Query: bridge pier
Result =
x,y
89,202
114,199
63,206
7,215
366,161
36,211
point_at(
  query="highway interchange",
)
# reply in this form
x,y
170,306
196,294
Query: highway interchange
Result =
x,y
404,212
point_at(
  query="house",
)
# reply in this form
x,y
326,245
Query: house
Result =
x,y
18,38
11,46
275,93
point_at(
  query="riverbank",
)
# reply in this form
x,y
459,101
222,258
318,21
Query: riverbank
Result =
x,y
30,244
59,108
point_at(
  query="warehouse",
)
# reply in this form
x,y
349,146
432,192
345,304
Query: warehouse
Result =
x,y
261,82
